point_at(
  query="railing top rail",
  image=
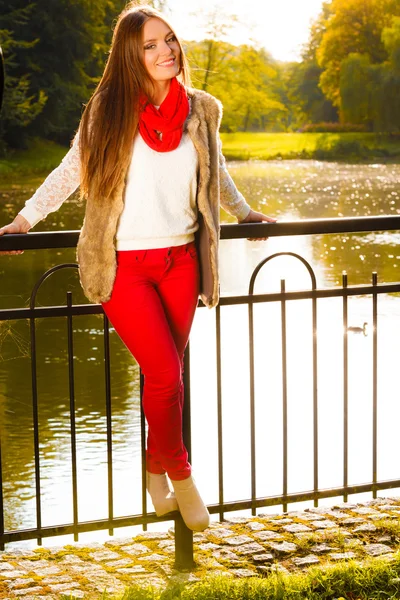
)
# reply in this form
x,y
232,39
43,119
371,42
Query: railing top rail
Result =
x,y
69,239
312,226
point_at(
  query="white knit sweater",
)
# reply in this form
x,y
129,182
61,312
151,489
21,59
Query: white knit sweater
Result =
x,y
160,197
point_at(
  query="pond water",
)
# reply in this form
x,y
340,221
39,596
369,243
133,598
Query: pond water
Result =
x,y
288,190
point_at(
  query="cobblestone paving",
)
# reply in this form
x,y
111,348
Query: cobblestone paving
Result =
x,y
238,547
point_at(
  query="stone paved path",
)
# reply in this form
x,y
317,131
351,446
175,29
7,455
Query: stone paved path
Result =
x,y
239,547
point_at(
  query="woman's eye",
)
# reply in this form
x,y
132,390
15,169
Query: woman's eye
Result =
x,y
171,39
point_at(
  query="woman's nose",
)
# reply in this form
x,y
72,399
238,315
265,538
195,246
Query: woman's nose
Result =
x,y
166,49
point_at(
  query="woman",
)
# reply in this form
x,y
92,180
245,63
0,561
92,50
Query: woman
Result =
x,y
147,157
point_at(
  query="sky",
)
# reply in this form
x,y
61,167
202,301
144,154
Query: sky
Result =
x,y
281,26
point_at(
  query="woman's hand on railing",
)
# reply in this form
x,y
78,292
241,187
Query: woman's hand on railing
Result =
x,y
257,217
19,225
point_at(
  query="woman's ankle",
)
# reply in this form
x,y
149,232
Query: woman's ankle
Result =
x,y
162,497
192,508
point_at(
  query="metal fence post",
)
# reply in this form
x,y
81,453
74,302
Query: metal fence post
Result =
x,y
183,535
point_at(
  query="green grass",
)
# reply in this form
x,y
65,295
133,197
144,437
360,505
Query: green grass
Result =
x,y
320,146
374,579
43,156
39,159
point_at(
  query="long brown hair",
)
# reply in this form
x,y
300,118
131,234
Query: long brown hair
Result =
x,y
110,119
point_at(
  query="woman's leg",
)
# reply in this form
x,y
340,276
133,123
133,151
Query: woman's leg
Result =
x,y
161,300
191,505
152,307
181,277
152,454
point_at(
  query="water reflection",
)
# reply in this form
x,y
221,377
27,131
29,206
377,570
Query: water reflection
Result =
x,y
295,189
312,189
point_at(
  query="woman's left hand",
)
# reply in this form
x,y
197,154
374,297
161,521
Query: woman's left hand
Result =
x,y
257,217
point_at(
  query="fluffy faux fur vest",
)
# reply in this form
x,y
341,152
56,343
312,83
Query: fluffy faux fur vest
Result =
x,y
96,254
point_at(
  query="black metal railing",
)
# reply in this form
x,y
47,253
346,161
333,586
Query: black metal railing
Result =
x,y
184,537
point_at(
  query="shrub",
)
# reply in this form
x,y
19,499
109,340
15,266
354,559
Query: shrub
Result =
x,y
342,149
332,128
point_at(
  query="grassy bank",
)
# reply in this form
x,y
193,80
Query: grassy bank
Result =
x,y
353,577
43,156
340,556
39,159
354,147
376,578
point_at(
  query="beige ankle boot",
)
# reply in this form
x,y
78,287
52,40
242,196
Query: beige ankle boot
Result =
x,y
192,508
163,498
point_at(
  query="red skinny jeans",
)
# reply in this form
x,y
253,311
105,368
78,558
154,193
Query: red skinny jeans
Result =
x,y
152,307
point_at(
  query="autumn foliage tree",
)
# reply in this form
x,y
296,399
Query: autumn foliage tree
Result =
x,y
244,78
307,101
369,93
354,27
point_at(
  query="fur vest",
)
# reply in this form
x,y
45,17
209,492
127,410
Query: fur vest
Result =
x,y
96,254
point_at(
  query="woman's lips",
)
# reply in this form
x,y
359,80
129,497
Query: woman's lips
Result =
x,y
168,63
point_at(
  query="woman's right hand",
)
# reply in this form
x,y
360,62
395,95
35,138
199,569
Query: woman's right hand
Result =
x,y
19,225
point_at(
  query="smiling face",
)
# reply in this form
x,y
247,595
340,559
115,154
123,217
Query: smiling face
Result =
x,y
161,50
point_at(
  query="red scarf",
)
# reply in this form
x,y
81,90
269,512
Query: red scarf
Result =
x,y
168,119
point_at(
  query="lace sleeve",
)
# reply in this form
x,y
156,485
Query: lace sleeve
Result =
x,y
232,201
56,188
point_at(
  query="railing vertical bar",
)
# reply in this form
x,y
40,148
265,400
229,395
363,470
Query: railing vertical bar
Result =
x,y
35,412
183,535
219,411
107,374
1,493
143,449
72,416
284,393
345,385
375,380
315,393
252,410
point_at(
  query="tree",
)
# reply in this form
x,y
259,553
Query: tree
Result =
x,y
388,113
208,57
55,52
317,31
356,89
355,26
67,61
20,106
391,41
370,93
308,103
255,105
245,80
